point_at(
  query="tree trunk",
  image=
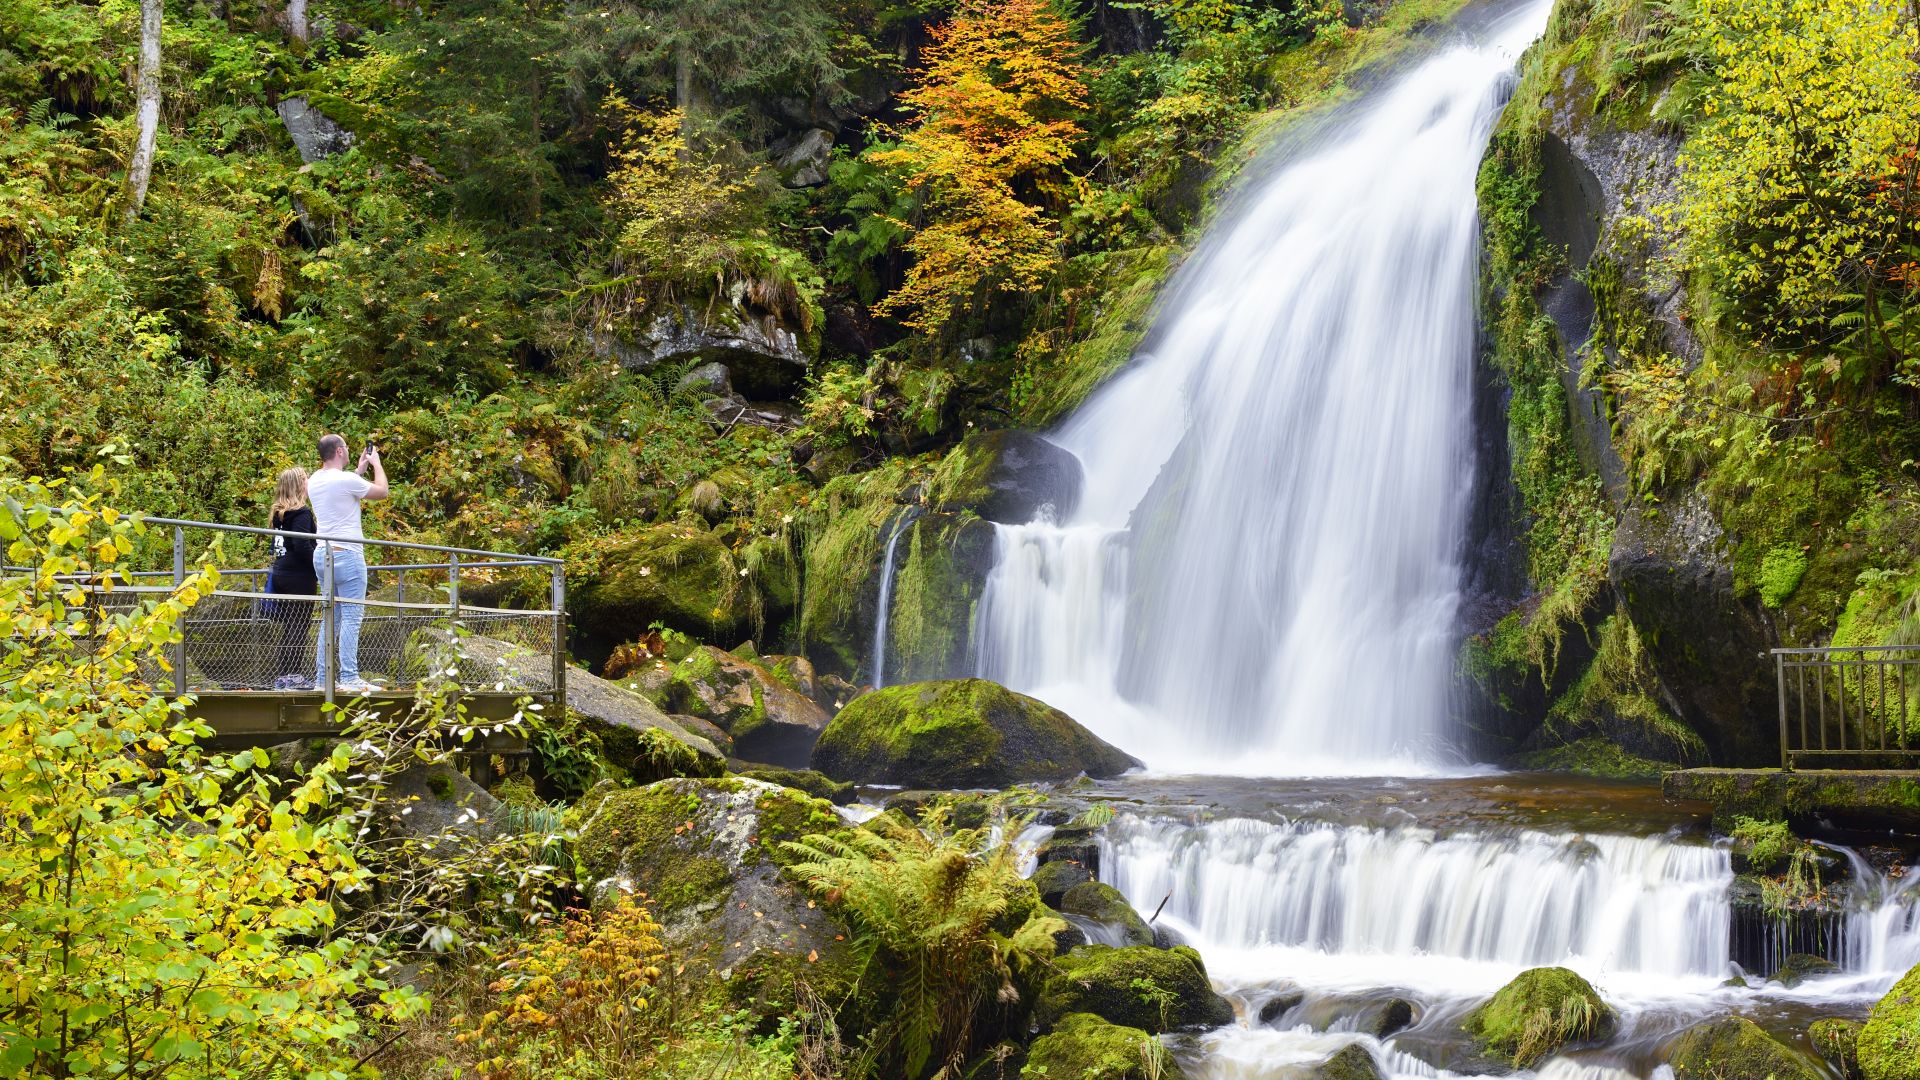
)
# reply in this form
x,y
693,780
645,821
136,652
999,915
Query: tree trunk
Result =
x,y
297,19
147,108
683,88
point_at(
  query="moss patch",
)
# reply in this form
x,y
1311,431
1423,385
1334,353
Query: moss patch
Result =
x,y
846,529
647,832
939,574
678,573
1889,1043
1103,903
1735,1047
1139,986
961,733
1082,1046
1540,1011
1593,756
1837,1041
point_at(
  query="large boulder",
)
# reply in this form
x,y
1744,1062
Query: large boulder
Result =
x,y
314,134
768,718
1085,1047
1735,1047
705,857
1100,903
1139,986
1889,1043
960,733
1541,1010
802,159
764,358
1006,477
679,573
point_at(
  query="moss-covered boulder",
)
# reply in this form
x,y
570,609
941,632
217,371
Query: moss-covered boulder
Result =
x,y
1006,476
1351,1063
1837,1040
1541,1010
1139,986
679,573
705,856
1735,1047
1101,903
940,568
1889,1046
1082,1046
1800,967
1053,879
960,733
766,718
815,784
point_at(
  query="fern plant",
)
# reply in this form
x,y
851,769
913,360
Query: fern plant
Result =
x,y
948,918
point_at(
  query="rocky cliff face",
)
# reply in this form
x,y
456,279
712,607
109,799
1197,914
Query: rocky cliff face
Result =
x,y
1641,634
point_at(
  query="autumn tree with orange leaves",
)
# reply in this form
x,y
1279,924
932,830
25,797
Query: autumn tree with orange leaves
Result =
x,y
997,113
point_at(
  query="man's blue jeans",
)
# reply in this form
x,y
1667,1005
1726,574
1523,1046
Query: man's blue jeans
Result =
x,y
349,583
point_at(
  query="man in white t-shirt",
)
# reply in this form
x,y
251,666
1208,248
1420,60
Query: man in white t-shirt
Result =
x,y
336,495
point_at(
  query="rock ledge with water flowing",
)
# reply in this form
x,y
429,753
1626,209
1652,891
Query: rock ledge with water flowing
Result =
x,y
960,733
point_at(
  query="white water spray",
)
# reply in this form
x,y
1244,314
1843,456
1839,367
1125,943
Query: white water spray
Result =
x,y
885,607
1263,572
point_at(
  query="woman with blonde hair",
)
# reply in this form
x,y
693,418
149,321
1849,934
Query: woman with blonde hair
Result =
x,y
291,575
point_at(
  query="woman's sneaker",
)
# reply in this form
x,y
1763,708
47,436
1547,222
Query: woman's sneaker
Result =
x,y
290,682
355,686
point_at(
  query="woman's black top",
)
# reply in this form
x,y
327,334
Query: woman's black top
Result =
x,y
293,556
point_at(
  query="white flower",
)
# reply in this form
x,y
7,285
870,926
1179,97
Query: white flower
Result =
x,y
646,571
786,519
743,571
443,41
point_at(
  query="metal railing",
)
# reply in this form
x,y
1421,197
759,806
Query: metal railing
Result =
x,y
1849,706
444,618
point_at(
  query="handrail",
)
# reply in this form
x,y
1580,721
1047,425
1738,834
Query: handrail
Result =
x,y
537,560
1848,702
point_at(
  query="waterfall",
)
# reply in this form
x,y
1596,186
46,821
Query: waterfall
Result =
x,y
1263,571
1411,907
886,600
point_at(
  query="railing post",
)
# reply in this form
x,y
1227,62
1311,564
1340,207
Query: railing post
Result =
x,y
453,585
559,641
1780,680
328,624
180,579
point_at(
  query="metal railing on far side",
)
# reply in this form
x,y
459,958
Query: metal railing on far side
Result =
x,y
1854,706
487,621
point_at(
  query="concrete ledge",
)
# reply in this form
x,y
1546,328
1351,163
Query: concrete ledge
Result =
x,y
1857,798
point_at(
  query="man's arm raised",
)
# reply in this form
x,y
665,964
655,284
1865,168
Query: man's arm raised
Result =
x,y
379,489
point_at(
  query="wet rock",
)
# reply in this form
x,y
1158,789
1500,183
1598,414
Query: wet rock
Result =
x,y
962,733
1384,1018
815,784
1085,1047
1139,986
1889,1042
1540,1011
1071,843
1800,967
1837,1041
1101,903
428,801
314,134
1735,1047
801,160
1353,1062
1278,1005
1053,879
764,359
1006,477
705,856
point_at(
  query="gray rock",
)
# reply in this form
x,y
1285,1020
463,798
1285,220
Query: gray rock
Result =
x,y
768,721
764,359
428,801
711,379
314,134
802,159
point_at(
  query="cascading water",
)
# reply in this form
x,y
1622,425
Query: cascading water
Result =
x,y
1263,571
885,607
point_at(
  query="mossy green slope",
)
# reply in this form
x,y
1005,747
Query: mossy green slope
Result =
x,y
959,733
1889,1043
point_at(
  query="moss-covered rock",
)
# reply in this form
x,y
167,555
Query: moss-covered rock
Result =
x,y
1351,1063
678,573
1103,904
961,733
1541,1010
1085,1047
1053,879
705,855
1735,1047
765,718
1800,967
1139,986
940,572
1837,1040
815,784
1889,1045
845,531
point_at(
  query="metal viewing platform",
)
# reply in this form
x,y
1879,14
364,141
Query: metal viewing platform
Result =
x,y
491,624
